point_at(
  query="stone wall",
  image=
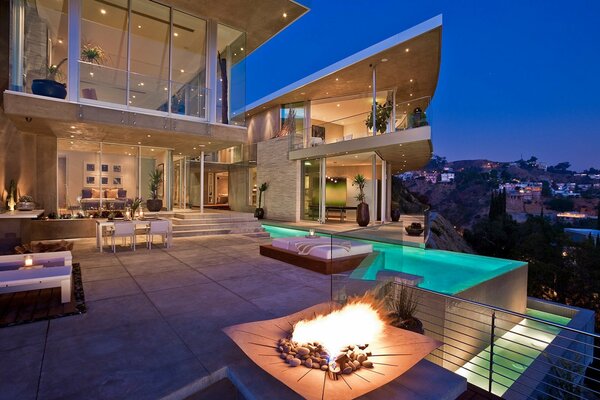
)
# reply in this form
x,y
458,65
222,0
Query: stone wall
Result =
x,y
264,125
282,200
239,189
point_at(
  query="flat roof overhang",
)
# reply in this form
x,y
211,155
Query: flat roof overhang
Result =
x,y
404,150
66,120
353,75
260,20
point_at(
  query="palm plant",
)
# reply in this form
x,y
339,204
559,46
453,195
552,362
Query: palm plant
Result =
x,y
360,181
156,178
93,54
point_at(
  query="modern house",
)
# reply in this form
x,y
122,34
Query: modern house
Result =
x,y
313,136
149,85
162,86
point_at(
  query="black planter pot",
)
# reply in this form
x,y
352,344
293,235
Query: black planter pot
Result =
x,y
49,88
395,214
411,324
259,213
362,214
154,205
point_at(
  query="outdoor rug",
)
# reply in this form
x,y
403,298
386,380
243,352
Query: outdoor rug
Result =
x,y
37,305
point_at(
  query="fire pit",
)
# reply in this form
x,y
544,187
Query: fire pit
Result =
x,y
332,352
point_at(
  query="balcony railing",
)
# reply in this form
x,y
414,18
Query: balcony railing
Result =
x,y
132,91
509,354
408,114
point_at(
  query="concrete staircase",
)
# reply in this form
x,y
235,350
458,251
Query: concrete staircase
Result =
x,y
216,223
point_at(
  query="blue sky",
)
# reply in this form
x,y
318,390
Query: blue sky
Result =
x,y
517,77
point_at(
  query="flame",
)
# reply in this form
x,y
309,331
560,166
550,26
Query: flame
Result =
x,y
358,322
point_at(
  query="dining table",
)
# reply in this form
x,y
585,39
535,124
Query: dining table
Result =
x,y
102,224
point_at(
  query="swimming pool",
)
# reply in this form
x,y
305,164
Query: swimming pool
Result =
x,y
443,271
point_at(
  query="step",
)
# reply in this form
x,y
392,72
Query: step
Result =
x,y
225,231
264,234
177,221
217,216
188,227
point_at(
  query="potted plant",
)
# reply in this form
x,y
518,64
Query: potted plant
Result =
x,y
260,212
415,229
135,204
50,87
362,210
383,114
155,204
401,302
25,203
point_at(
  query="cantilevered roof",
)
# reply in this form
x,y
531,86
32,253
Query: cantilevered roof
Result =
x,y
412,67
261,20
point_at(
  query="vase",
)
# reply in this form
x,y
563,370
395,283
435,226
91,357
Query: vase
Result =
x,y
395,215
154,205
259,213
49,88
25,206
362,214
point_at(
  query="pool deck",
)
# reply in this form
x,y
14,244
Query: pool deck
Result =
x,y
154,320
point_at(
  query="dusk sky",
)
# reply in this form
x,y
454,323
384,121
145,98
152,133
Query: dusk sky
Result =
x,y
517,77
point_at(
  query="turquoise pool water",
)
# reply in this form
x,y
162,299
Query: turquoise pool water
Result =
x,y
443,271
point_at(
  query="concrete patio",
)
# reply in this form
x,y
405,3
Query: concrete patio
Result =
x,y
154,320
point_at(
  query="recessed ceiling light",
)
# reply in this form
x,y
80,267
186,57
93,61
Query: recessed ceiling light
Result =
x,y
72,142
166,89
303,93
139,27
151,149
337,105
139,142
411,95
133,96
141,84
202,145
384,60
72,126
72,136
182,71
284,15
241,49
194,148
179,153
102,11
411,81
149,135
209,142
60,41
337,79
175,34
406,50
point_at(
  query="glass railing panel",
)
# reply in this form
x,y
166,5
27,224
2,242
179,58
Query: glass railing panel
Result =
x,y
103,84
188,99
148,92
412,114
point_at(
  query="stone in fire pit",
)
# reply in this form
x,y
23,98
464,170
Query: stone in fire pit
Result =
x,y
394,352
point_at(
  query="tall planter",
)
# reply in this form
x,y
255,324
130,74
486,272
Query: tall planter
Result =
x,y
154,205
49,88
363,216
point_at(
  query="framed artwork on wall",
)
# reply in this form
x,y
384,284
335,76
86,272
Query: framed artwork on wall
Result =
x,y
90,180
105,180
90,167
104,168
117,168
117,181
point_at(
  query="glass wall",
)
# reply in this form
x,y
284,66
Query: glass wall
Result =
x,y
311,189
104,42
94,177
39,33
231,75
135,54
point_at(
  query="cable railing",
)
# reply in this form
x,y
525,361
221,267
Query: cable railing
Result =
x,y
509,354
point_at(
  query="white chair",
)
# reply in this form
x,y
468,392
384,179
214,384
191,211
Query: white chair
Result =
x,y
160,228
123,230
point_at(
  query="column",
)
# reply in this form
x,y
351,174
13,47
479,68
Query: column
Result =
x,y
384,185
17,33
74,50
211,71
373,209
322,183
202,182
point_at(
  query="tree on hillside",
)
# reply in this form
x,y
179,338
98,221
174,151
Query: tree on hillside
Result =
x,y
560,204
497,204
437,163
546,189
561,168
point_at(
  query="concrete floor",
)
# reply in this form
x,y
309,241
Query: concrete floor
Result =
x,y
154,320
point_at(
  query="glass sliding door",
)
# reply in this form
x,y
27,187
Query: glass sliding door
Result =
x,y
311,189
188,66
103,65
150,39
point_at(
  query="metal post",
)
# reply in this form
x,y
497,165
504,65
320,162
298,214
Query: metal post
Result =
x,y
383,191
374,183
491,372
202,182
74,50
17,33
100,177
322,184
374,111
